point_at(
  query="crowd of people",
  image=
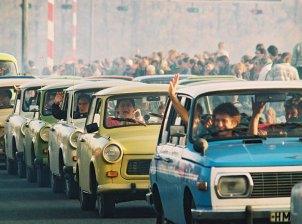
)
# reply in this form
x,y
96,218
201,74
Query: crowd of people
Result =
x,y
267,63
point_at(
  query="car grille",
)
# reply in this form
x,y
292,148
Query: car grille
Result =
x,y
138,167
269,185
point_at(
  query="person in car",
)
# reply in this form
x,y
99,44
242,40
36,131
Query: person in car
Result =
x,y
225,116
5,97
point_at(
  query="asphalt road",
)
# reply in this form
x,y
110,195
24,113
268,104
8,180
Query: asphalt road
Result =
x,y
23,202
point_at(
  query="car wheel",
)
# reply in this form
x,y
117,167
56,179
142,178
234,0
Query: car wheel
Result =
x,y
10,166
160,216
106,206
42,176
71,188
87,201
21,168
188,205
31,175
56,183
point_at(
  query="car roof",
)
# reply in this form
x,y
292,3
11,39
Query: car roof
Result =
x,y
134,88
15,82
98,84
62,84
159,77
123,77
37,82
196,78
7,57
207,87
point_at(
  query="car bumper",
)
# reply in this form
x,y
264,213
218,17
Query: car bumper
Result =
x,y
249,214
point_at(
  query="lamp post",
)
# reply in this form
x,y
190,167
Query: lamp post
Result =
x,y
24,32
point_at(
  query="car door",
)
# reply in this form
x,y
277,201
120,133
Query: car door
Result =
x,y
168,161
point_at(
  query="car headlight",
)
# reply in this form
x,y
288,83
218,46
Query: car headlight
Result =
x,y
23,127
233,186
44,133
73,138
112,153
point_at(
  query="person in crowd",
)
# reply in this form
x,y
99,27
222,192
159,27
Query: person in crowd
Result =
x,y
284,70
150,70
296,60
273,53
142,68
221,50
223,65
209,68
248,61
265,66
239,70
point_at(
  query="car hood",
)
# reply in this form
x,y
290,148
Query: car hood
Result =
x,y
270,152
140,140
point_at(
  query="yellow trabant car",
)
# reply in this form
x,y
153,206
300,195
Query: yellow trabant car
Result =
x,y
15,124
8,88
62,139
8,65
116,148
36,133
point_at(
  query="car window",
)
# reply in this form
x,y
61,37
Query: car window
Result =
x,y
134,109
81,103
281,115
7,68
7,97
29,98
48,100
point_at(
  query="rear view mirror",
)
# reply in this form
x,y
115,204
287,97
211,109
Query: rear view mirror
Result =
x,y
92,127
177,131
33,108
270,97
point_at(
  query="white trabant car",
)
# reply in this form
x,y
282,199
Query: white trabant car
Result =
x,y
234,158
62,143
36,132
8,92
117,145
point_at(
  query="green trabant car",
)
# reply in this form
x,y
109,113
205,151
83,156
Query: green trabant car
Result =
x,y
36,133
15,124
8,65
8,88
63,134
117,145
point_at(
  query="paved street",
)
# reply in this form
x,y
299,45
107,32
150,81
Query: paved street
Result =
x,y
22,202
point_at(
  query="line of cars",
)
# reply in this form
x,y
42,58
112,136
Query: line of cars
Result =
x,y
126,147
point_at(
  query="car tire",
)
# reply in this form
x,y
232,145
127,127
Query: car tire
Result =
x,y
160,215
87,201
188,205
43,176
11,166
106,206
31,175
56,183
71,188
21,168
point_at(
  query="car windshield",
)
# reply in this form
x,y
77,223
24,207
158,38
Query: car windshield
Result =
x,y
81,103
7,97
135,109
30,99
49,100
7,68
229,115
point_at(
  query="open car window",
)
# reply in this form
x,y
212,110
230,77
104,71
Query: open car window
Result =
x,y
7,97
282,114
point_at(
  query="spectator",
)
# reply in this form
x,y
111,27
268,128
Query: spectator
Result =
x,y
221,50
223,65
283,70
297,58
273,53
150,70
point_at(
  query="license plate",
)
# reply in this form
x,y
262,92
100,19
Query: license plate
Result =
x,y
280,217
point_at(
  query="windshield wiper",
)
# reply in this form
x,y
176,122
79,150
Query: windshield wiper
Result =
x,y
131,120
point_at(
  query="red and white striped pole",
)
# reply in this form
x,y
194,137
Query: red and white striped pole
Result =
x,y
74,30
50,36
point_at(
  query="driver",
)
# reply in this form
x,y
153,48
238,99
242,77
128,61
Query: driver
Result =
x,y
5,97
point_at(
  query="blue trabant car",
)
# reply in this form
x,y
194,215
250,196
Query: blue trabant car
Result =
x,y
234,158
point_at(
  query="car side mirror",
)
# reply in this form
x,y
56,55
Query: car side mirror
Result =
x,y
201,145
92,127
177,131
33,108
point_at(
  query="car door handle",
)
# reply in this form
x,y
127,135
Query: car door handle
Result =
x,y
168,160
157,157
